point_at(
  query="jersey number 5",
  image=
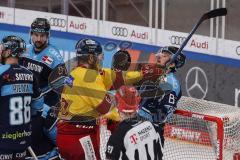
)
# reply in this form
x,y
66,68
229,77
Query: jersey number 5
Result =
x,y
20,110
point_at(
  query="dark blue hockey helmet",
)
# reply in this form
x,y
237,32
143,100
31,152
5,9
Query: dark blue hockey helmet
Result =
x,y
181,58
88,46
41,25
16,44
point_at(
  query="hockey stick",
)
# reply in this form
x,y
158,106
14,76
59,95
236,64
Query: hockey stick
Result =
x,y
211,14
56,80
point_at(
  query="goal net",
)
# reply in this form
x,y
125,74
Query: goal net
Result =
x,y
199,130
203,130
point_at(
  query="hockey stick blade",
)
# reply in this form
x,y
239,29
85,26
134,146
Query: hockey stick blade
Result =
x,y
211,14
215,13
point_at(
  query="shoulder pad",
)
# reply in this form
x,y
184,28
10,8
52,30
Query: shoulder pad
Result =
x,y
26,69
4,68
54,53
51,57
172,80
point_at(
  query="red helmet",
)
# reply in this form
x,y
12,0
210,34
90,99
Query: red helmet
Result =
x,y
127,99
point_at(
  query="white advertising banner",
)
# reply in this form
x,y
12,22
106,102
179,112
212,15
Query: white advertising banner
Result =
x,y
82,25
25,18
229,49
197,43
120,31
6,15
126,32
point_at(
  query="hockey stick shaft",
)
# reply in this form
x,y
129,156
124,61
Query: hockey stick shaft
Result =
x,y
32,153
211,14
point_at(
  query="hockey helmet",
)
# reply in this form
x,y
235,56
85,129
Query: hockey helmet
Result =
x,y
41,25
181,58
127,99
16,44
88,46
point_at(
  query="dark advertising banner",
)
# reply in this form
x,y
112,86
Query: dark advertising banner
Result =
x,y
209,81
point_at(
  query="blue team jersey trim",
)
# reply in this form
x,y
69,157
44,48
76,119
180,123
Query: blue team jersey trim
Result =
x,y
172,80
19,88
4,68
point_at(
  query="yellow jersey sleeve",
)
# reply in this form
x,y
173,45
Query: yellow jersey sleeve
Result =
x,y
131,77
111,77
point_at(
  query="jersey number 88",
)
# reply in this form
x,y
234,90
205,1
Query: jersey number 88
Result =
x,y
20,110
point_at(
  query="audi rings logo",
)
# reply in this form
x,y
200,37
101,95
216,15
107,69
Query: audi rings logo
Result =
x,y
58,22
177,40
120,31
238,50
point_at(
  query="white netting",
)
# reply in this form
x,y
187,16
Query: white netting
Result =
x,y
208,107
193,138
196,139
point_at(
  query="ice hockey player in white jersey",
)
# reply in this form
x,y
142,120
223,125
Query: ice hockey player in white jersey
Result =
x,y
135,138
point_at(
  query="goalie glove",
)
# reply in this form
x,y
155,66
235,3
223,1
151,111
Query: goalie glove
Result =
x,y
121,60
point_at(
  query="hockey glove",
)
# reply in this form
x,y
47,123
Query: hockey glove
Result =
x,y
151,72
121,60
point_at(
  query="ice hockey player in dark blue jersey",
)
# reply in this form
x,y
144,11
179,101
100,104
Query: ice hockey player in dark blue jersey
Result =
x,y
19,98
160,109
42,59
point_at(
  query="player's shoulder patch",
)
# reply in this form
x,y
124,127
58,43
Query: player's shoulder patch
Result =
x,y
47,59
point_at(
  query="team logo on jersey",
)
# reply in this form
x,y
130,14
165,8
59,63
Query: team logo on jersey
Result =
x,y
8,78
133,139
64,107
47,60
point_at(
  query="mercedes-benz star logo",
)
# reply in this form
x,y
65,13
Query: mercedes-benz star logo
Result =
x,y
196,83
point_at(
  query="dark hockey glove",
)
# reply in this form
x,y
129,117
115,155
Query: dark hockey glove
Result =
x,y
121,60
